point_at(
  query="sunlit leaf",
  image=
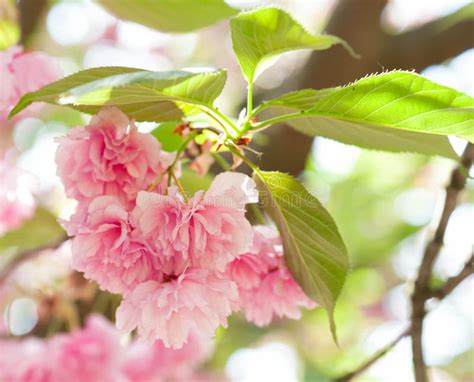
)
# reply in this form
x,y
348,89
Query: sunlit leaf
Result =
x,y
170,15
300,99
314,250
397,111
265,33
143,95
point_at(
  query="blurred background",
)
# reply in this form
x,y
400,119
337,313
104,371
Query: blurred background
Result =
x,y
384,204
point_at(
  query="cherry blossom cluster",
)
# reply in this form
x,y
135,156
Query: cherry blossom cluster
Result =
x,y
180,264
95,353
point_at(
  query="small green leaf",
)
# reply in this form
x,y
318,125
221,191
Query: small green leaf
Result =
x,y
143,95
265,33
314,250
42,229
170,15
396,111
168,139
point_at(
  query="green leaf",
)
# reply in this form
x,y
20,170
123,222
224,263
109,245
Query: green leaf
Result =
x,y
143,95
170,15
42,229
314,250
396,111
261,35
304,99
168,139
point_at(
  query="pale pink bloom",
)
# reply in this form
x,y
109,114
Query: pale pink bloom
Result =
x,y
16,200
278,295
146,363
104,248
208,231
196,300
266,287
264,254
20,73
92,353
110,157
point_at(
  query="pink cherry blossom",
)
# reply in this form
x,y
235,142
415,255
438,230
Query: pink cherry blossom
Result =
x,y
93,353
266,287
264,254
16,200
104,248
208,231
23,72
196,300
155,362
110,157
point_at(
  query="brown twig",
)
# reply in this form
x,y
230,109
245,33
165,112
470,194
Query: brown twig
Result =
x,y
453,282
27,255
421,292
379,354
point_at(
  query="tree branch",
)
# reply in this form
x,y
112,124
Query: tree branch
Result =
x,y
429,44
374,358
453,282
422,292
30,12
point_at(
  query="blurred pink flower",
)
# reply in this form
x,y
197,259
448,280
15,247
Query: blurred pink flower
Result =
x,y
110,157
104,249
196,300
208,231
20,73
25,361
16,201
266,287
145,363
93,353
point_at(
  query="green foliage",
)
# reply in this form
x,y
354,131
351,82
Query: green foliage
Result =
x,y
9,33
193,182
9,28
265,33
144,95
170,15
314,250
397,111
363,202
38,231
168,139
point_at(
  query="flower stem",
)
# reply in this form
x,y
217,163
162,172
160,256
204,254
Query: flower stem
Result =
x,y
178,183
235,150
221,161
